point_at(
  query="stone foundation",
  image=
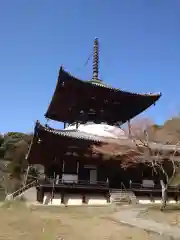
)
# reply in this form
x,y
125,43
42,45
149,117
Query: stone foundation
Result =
x,y
74,200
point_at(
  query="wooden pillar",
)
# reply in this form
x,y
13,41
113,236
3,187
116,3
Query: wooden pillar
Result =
x,y
63,166
41,196
62,197
77,171
108,197
37,195
77,167
84,199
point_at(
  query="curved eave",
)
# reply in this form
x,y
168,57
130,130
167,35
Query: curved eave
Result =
x,y
69,85
54,138
73,134
116,149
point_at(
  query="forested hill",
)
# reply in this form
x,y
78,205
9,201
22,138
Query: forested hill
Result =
x,y
13,148
168,133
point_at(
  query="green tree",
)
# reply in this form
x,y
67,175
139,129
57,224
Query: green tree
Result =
x,y
19,163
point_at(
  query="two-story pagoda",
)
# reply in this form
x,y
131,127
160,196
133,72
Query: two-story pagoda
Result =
x,y
92,113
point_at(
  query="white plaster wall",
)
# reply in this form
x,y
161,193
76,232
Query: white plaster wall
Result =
x,y
55,201
70,177
155,201
102,130
148,183
76,199
47,198
73,199
96,200
144,201
171,201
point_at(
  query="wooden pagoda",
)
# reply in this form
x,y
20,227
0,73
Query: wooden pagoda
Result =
x,y
71,163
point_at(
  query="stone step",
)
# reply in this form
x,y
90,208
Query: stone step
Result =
x,y
120,195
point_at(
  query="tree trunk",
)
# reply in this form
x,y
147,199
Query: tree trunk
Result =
x,y
164,195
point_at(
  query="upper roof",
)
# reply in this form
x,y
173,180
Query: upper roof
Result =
x,y
75,99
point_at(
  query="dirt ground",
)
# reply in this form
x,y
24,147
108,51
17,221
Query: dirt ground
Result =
x,y
171,215
79,223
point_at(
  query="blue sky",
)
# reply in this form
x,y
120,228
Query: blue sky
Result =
x,y
139,51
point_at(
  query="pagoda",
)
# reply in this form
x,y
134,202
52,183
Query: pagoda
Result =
x,y
92,113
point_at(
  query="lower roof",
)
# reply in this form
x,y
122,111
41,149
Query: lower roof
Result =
x,y
48,143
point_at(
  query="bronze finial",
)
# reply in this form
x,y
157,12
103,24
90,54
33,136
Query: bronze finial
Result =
x,y
96,59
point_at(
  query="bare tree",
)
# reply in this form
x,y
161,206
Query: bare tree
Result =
x,y
164,162
137,127
160,157
157,158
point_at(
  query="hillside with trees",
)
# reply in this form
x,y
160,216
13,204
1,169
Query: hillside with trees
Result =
x,y
13,149
168,133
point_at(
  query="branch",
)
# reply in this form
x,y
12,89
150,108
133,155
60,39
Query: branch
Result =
x,y
165,173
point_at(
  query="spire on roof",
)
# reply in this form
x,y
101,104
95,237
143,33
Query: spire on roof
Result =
x,y
96,60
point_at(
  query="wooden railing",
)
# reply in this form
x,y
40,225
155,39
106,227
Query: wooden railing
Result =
x,y
136,185
156,186
77,182
123,186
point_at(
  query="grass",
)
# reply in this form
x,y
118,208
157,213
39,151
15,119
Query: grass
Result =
x,y
2,194
77,223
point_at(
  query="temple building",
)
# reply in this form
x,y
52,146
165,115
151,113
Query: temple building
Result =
x,y
76,169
